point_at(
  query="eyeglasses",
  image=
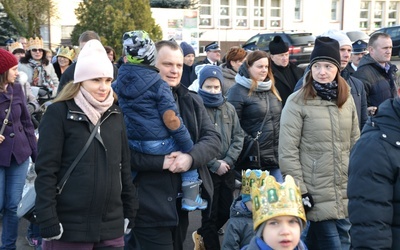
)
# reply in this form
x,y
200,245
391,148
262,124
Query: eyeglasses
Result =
x,y
36,50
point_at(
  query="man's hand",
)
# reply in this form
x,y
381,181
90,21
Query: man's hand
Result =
x,y
223,168
182,162
168,160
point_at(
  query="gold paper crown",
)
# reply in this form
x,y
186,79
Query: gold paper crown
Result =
x,y
275,199
36,43
14,46
66,52
252,177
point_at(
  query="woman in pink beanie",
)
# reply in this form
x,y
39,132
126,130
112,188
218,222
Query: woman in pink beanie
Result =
x,y
98,197
17,144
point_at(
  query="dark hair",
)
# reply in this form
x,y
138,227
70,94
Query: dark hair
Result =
x,y
251,59
108,50
28,56
87,36
167,43
4,81
375,36
343,88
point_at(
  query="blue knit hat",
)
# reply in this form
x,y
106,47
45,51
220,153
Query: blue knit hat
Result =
x,y
210,71
187,49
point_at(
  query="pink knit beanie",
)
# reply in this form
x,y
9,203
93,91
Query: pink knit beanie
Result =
x,y
7,61
93,62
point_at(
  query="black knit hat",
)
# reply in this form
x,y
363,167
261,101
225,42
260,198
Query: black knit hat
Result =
x,y
326,49
278,46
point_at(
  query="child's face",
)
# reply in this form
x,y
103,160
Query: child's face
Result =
x,y
212,85
282,232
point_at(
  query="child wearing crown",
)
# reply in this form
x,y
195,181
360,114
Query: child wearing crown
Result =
x,y
278,215
239,230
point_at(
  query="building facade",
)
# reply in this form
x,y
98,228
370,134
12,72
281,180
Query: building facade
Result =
x,y
232,22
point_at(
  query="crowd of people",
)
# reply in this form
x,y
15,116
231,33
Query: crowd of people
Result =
x,y
156,135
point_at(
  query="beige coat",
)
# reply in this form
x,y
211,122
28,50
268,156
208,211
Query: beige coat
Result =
x,y
314,147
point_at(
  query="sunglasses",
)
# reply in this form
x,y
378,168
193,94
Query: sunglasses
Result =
x,y
36,50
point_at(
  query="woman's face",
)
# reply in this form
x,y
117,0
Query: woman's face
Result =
x,y
259,69
236,64
324,72
37,54
110,55
188,59
99,88
12,74
282,232
63,61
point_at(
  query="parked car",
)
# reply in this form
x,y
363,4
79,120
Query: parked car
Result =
x,y
301,44
356,35
394,32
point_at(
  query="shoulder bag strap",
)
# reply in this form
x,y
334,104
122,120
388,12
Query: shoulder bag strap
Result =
x,y
5,122
61,183
259,132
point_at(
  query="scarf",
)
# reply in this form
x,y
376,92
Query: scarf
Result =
x,y
243,78
211,100
327,91
92,108
38,71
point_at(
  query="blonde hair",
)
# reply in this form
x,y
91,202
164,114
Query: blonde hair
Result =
x,y
71,90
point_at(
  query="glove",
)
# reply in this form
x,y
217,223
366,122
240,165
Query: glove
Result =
x,y
127,226
56,237
308,201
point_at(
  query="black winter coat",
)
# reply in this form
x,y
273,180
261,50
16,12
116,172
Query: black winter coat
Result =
x,y
379,84
251,111
284,87
374,181
158,188
99,193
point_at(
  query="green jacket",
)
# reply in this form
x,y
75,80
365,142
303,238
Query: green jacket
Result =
x,y
315,141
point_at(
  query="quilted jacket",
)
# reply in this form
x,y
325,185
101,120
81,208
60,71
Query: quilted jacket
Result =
x,y
315,141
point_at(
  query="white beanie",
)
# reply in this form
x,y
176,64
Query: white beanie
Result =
x,y
339,36
93,62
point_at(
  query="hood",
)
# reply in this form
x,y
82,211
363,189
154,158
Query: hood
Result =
x,y
228,73
387,120
134,79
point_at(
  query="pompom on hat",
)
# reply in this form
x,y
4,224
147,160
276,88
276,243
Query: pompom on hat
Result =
x,y
326,49
7,61
187,49
139,48
278,46
93,62
339,36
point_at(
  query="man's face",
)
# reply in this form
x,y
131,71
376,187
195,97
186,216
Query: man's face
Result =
x,y
24,43
345,52
281,59
170,64
381,51
189,59
214,55
356,58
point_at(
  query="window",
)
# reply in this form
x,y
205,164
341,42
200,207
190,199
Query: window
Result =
x,y
241,13
259,13
392,13
334,10
298,10
275,14
364,14
224,13
205,13
378,15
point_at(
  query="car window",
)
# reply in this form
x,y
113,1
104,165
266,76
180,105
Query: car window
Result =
x,y
301,38
265,40
395,32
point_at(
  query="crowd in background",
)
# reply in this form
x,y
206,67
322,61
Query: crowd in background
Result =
x,y
163,135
